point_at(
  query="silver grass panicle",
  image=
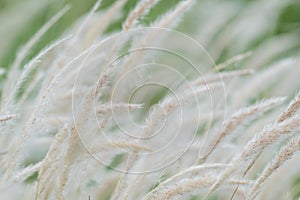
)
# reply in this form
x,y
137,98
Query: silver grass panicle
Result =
x,y
27,172
50,163
171,19
120,144
286,152
223,76
263,80
30,66
269,135
149,127
12,163
14,71
168,105
167,21
86,19
142,8
233,60
291,110
102,23
190,107
115,107
187,185
238,117
24,51
83,113
4,118
189,170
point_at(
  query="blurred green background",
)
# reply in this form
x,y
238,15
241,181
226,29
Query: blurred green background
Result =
x,y
20,19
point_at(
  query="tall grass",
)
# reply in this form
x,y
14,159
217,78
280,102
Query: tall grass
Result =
x,y
184,100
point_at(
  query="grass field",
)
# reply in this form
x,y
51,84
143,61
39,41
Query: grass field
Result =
x,y
149,99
